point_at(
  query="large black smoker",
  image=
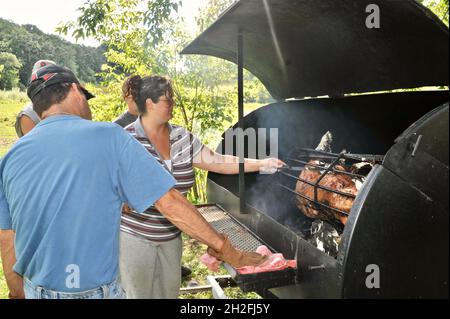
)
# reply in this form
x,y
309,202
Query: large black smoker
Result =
x,y
314,56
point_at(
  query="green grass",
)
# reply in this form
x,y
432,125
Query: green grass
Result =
x,y
10,104
3,287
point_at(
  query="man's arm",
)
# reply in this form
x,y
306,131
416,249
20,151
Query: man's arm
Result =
x,y
186,217
8,256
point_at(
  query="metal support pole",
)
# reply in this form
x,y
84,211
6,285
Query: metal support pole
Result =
x,y
240,148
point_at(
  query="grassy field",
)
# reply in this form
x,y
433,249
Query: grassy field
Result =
x,y
10,104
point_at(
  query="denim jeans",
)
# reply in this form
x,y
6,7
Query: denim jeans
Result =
x,y
110,291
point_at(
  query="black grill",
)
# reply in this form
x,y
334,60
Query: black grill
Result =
x,y
223,222
399,217
244,239
392,214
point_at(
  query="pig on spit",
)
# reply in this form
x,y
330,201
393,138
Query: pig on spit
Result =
x,y
332,180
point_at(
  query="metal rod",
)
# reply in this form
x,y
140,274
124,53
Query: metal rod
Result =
x,y
327,170
359,157
313,151
319,186
241,145
312,201
320,167
317,156
416,146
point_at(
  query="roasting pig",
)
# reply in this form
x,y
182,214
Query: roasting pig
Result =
x,y
335,181
332,180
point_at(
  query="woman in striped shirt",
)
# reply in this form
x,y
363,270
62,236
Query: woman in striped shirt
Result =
x,y
150,245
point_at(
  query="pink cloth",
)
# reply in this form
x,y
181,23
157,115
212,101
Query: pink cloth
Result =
x,y
274,262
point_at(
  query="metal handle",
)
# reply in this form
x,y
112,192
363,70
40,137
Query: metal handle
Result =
x,y
316,267
416,146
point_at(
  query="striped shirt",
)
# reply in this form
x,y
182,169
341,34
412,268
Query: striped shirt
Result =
x,y
184,146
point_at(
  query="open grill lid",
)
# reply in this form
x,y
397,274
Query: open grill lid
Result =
x,y
323,47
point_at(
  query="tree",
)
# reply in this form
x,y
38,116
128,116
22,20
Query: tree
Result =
x,y
211,12
30,44
439,7
129,30
4,47
9,71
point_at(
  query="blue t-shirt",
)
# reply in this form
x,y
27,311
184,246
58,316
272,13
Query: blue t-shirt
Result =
x,y
62,187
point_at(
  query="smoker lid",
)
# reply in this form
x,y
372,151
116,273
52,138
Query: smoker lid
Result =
x,y
323,47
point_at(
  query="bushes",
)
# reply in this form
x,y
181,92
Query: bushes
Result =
x,y
15,96
108,104
29,44
9,71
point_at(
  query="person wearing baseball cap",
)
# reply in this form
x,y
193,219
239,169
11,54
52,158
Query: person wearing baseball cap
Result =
x,y
52,74
65,224
27,118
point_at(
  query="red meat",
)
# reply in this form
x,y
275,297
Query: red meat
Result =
x,y
273,263
332,180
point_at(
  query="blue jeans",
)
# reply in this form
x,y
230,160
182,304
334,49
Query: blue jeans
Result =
x,y
110,291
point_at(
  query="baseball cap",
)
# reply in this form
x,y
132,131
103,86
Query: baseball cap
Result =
x,y
40,64
53,74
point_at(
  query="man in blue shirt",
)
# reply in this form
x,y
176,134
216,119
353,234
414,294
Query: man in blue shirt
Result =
x,y
62,187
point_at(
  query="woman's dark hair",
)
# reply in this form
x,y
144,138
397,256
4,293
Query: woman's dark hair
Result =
x,y
148,87
47,97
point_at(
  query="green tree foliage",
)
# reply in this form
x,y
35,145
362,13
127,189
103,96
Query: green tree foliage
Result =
x,y
9,71
130,30
439,7
4,47
211,12
30,44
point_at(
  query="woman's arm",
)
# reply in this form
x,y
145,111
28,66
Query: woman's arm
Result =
x,y
226,164
26,124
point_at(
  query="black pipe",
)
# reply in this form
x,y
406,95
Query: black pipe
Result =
x,y
241,145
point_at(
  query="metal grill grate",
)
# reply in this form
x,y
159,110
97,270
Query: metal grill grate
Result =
x,y
224,223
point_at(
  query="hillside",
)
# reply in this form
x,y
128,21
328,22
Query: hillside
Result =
x,y
29,44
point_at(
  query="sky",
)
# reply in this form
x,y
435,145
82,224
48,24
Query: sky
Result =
x,y
47,14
